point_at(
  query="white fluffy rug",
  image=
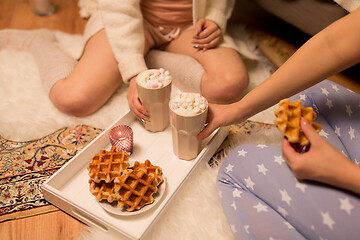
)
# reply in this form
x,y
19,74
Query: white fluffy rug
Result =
x,y
27,113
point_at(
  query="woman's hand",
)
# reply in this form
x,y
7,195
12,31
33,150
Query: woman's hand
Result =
x,y
322,162
207,35
134,102
218,116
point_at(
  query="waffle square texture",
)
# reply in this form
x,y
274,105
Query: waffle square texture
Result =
x,y
136,188
103,191
107,165
288,116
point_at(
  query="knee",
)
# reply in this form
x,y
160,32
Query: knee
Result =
x,y
225,88
77,105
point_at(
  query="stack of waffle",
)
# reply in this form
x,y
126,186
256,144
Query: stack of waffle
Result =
x,y
288,120
112,179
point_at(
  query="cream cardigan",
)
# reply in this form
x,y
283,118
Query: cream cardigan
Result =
x,y
124,29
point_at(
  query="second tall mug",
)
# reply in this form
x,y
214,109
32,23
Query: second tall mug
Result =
x,y
188,112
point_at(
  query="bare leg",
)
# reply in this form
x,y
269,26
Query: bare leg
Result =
x,y
93,81
225,77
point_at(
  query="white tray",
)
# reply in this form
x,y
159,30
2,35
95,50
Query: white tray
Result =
x,y
68,188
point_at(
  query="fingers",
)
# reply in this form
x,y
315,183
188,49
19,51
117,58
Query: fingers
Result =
x,y
206,131
309,131
209,42
140,111
207,35
207,46
134,103
199,26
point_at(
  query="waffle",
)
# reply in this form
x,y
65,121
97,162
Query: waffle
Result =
x,y
103,191
151,170
136,188
107,165
288,120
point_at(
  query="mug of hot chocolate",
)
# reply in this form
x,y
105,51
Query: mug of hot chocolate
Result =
x,y
188,112
154,89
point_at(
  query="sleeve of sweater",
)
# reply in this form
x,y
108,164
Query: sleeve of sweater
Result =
x,y
219,12
124,28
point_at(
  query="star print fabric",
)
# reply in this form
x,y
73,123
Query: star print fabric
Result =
x,y
340,108
262,199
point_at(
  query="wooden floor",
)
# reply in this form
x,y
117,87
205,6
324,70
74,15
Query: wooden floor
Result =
x,y
17,14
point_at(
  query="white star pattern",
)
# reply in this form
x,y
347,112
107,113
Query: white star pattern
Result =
x,y
301,186
329,103
348,110
346,205
246,227
260,207
337,131
233,205
220,194
335,87
242,153
249,183
233,228
323,133
229,168
279,159
327,220
262,169
237,193
324,91
288,225
282,211
262,146
352,133
285,196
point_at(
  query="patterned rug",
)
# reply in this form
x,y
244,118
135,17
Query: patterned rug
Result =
x,y
24,166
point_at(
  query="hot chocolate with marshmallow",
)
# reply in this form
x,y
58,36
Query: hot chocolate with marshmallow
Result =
x,y
188,104
155,78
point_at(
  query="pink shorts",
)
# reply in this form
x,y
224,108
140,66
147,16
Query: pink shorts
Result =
x,y
156,36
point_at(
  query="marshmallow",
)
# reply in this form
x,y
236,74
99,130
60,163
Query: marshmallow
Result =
x,y
188,104
156,78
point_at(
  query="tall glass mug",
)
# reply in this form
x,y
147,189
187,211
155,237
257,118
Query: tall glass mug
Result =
x,y
188,112
154,89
